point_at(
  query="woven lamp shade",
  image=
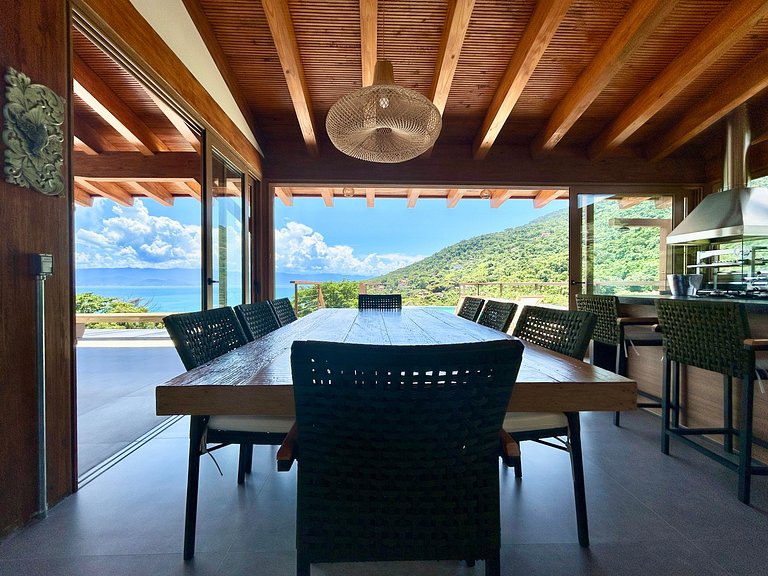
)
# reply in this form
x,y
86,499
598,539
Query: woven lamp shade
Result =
x,y
383,122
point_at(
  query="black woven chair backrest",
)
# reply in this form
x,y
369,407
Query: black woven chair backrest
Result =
x,y
379,301
565,331
471,307
199,337
708,335
257,319
283,310
606,308
398,448
497,314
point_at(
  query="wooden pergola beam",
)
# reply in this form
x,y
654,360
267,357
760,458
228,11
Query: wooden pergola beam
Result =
x,y
196,190
413,195
368,39
456,24
634,29
170,166
82,197
94,139
108,190
370,197
736,19
178,122
498,197
80,146
630,201
102,100
153,190
453,197
544,197
546,18
285,195
281,27
740,87
327,194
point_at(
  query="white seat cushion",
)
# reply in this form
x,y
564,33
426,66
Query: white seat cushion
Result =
x,y
524,421
252,423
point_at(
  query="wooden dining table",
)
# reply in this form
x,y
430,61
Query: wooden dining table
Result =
x,y
255,379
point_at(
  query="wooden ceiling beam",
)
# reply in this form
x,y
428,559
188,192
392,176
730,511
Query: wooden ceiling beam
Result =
x,y
368,39
546,18
327,194
281,27
153,190
736,20
108,190
498,197
544,197
92,138
133,166
80,146
204,28
370,197
285,195
413,195
453,197
737,89
82,197
100,97
630,201
637,25
196,190
178,122
456,24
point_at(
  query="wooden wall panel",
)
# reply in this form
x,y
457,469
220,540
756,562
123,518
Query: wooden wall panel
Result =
x,y
34,40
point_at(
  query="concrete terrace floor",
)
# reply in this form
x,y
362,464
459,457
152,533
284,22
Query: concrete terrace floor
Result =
x,y
117,371
649,514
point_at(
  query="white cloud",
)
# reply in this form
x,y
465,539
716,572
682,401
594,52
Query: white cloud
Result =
x,y
132,238
298,248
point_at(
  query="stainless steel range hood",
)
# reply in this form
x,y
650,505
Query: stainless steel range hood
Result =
x,y
738,211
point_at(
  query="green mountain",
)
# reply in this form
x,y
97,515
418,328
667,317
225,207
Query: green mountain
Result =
x,y
534,252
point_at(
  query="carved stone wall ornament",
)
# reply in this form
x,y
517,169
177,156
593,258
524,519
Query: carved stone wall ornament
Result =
x,y
32,135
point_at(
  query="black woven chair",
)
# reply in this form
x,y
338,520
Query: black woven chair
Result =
x,y
199,337
567,332
713,336
470,308
257,319
283,310
398,450
497,314
611,335
379,301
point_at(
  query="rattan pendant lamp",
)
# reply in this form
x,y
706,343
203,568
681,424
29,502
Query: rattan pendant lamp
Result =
x,y
383,122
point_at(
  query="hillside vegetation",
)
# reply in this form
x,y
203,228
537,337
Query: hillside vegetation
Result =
x,y
534,252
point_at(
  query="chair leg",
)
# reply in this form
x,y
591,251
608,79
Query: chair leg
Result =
x,y
242,462
621,370
728,413
493,564
577,467
665,409
745,438
249,459
302,565
196,428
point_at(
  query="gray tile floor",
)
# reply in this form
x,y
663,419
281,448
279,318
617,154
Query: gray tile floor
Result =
x,y
649,514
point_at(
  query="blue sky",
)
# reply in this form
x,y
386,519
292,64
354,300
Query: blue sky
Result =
x,y
348,238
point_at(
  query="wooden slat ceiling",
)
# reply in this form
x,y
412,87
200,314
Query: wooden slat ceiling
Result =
x,y
613,77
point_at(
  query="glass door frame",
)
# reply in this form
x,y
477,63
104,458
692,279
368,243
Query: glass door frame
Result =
x,y
682,198
213,145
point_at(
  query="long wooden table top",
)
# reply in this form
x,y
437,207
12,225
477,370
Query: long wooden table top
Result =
x,y
256,378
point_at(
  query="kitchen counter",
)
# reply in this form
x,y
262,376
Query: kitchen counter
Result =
x,y
754,305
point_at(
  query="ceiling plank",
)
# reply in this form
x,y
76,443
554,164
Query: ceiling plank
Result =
x,y
370,197
368,39
538,34
712,43
637,25
413,195
178,122
740,87
133,166
544,197
107,190
100,97
327,194
82,197
152,190
456,24
204,28
80,146
281,27
498,197
453,197
285,195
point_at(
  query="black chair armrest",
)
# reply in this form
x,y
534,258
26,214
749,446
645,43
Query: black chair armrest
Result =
x,y
637,321
288,450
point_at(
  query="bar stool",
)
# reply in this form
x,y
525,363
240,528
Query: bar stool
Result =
x,y
615,331
713,336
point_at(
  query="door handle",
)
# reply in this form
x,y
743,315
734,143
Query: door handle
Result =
x,y
576,282
211,281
